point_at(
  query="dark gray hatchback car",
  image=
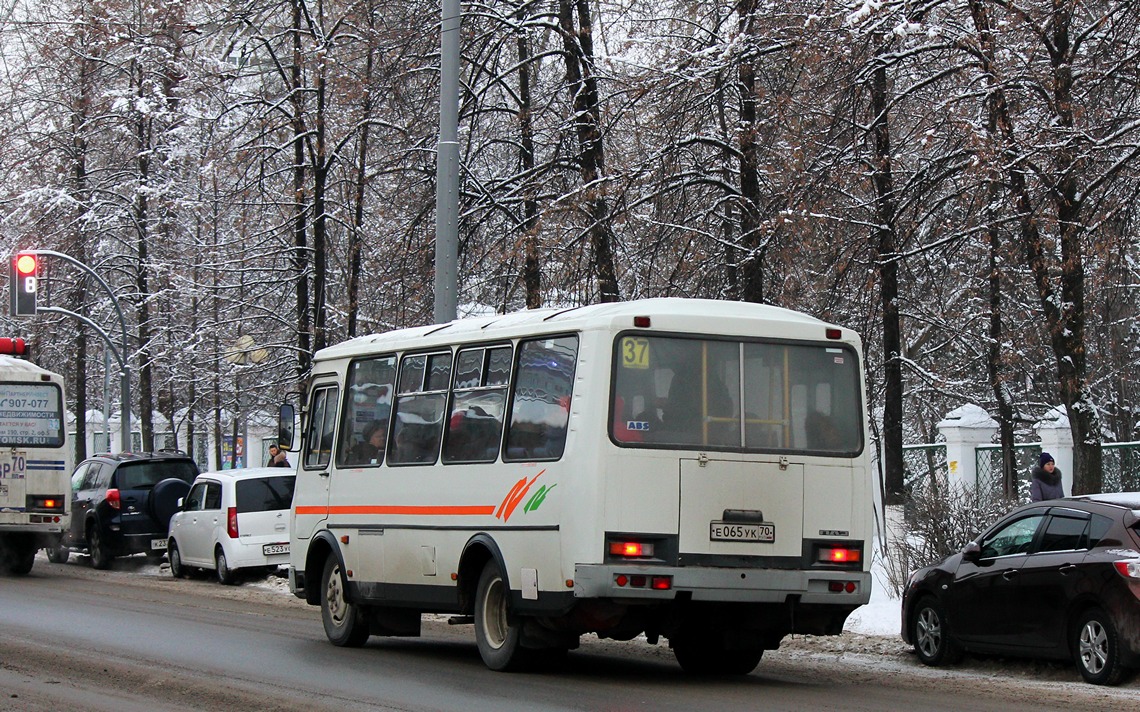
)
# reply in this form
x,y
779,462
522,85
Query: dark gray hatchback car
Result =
x,y
1057,579
121,504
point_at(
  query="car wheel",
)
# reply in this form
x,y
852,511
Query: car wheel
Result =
x,y
100,558
704,655
1096,648
499,640
58,554
177,570
931,635
346,623
225,575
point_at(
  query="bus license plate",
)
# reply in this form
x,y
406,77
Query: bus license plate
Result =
x,y
158,544
732,531
270,549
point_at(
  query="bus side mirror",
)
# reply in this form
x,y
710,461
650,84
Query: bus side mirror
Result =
x,y
285,421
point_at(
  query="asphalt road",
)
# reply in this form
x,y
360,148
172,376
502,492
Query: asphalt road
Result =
x,y
132,639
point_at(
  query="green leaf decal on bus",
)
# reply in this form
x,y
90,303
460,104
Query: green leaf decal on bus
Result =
x,y
536,501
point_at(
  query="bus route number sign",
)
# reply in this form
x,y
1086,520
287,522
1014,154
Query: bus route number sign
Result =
x,y
634,352
732,531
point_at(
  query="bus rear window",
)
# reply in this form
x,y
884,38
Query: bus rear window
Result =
x,y
31,415
732,395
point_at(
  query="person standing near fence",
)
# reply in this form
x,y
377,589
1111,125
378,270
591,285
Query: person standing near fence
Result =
x,y
1046,482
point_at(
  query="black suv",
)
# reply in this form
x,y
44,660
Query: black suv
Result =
x,y
121,505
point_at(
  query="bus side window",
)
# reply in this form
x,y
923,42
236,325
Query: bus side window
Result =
x,y
366,413
420,404
540,398
475,425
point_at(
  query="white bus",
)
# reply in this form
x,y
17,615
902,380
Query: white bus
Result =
x,y
35,464
688,469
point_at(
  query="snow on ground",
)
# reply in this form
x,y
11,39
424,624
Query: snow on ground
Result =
x,y
883,615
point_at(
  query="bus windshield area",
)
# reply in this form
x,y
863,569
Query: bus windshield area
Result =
x,y
694,393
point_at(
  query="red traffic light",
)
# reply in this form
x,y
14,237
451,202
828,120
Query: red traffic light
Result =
x,y
26,264
13,347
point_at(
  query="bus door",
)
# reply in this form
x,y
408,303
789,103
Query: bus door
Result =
x,y
13,479
315,468
739,508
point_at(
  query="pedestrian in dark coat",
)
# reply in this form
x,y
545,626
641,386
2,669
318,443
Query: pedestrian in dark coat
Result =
x,y
1046,482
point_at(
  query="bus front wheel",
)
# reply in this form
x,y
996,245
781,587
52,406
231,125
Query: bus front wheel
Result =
x,y
498,639
346,623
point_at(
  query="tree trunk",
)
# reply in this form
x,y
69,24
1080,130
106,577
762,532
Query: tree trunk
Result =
x,y
300,236
886,267
1068,333
532,281
355,239
752,266
995,105
578,47
142,286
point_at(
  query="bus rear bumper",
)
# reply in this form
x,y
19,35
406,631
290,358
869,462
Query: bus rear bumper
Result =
x,y
648,584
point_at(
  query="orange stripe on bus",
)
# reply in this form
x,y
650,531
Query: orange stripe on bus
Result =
x,y
457,510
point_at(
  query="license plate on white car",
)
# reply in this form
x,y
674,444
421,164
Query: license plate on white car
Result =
x,y
732,531
158,545
270,549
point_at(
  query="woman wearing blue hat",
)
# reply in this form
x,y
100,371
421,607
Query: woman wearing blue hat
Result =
x,y
1046,480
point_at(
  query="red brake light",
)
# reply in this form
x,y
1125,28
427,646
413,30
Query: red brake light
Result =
x,y
835,333
113,499
231,522
631,549
662,583
641,322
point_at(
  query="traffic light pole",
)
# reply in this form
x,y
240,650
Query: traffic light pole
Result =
x,y
120,354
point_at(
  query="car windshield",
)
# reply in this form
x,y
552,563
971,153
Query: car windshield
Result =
x,y
145,475
265,494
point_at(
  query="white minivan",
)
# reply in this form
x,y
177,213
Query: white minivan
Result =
x,y
233,520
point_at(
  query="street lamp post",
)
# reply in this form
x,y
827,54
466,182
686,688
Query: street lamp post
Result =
x,y
242,353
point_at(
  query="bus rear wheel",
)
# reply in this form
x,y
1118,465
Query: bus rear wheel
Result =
x,y
17,555
346,623
499,640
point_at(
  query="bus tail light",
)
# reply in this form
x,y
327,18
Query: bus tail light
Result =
x,y
631,549
44,503
835,333
113,500
231,522
839,555
658,583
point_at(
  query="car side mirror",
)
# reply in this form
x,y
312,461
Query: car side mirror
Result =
x,y
972,551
